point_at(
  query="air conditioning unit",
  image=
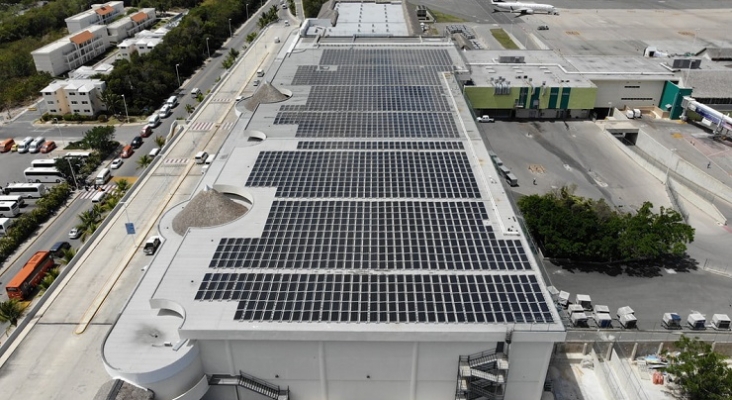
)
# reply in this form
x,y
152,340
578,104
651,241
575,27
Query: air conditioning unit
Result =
x,y
671,321
720,322
696,321
584,301
628,321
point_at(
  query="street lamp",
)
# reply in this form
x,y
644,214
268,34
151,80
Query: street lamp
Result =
x,y
127,115
247,12
71,167
668,166
231,34
177,74
208,48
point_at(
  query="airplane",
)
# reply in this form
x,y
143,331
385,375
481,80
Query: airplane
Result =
x,y
523,8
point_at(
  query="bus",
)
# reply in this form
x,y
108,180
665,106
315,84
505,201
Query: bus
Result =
x,y
15,199
45,175
103,177
78,154
27,190
28,278
9,209
43,163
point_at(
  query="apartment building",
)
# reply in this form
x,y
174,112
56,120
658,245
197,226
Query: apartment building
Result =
x,y
74,96
99,14
130,25
71,51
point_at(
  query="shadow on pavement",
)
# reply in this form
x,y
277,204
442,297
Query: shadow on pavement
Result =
x,y
642,268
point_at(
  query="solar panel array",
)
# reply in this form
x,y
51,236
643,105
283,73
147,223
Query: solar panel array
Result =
x,y
380,146
295,297
364,235
368,230
365,174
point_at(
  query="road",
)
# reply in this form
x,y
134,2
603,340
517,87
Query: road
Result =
x,y
13,164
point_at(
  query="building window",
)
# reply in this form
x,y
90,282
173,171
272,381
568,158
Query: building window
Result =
x,y
632,87
74,102
72,94
48,93
53,111
637,98
76,111
87,111
49,102
84,102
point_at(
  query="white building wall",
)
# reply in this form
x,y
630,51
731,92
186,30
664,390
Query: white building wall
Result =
x,y
63,55
630,93
368,370
85,19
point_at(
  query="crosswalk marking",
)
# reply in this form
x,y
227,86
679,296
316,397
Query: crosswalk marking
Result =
x,y
176,161
206,126
89,194
222,100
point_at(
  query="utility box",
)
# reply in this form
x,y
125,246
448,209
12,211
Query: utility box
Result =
x,y
584,300
696,321
671,321
637,113
602,309
628,321
720,322
575,308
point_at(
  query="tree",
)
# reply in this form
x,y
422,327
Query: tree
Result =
x,y
101,139
69,167
190,108
10,311
160,141
144,161
47,280
123,185
68,255
111,100
701,374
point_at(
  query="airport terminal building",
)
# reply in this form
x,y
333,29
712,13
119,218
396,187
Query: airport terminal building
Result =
x,y
351,240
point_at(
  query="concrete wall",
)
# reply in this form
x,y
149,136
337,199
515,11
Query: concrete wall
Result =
x,y
619,93
369,370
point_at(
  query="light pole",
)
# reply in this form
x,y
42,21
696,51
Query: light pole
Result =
x,y
208,48
247,12
668,166
231,34
71,167
177,74
127,115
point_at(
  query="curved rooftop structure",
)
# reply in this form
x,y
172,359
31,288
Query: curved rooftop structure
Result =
x,y
207,208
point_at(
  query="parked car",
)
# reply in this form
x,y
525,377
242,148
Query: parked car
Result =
x,y
543,27
127,152
74,233
116,163
136,142
255,82
146,131
48,146
164,111
151,246
485,118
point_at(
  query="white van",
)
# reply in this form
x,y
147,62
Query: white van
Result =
x,y
154,152
4,225
36,144
103,177
195,92
201,157
172,101
25,145
99,197
210,158
260,73
154,120
277,39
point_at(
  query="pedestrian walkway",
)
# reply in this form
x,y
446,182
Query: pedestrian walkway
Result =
x,y
181,161
223,100
88,194
207,126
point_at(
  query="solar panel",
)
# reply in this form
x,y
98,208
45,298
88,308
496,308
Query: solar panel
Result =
x,y
364,235
391,57
374,145
365,174
378,75
367,125
301,297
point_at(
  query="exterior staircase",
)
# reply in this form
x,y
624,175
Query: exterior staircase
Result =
x,y
482,376
252,383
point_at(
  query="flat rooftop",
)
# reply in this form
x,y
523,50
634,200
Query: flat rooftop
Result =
x,y
366,19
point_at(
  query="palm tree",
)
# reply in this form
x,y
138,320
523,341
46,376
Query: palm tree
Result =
x,y
69,254
190,108
111,202
10,311
123,185
144,161
111,100
48,279
160,141
88,231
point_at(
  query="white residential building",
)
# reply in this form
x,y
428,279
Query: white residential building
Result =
x,y
100,14
71,51
85,72
131,25
74,96
141,45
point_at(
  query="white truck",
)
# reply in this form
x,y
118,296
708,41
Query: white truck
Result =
x,y
485,118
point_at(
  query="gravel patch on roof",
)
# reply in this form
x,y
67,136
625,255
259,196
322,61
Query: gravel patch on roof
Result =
x,y
207,208
120,390
265,94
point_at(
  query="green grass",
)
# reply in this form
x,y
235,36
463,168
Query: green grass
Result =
x,y
442,17
502,37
